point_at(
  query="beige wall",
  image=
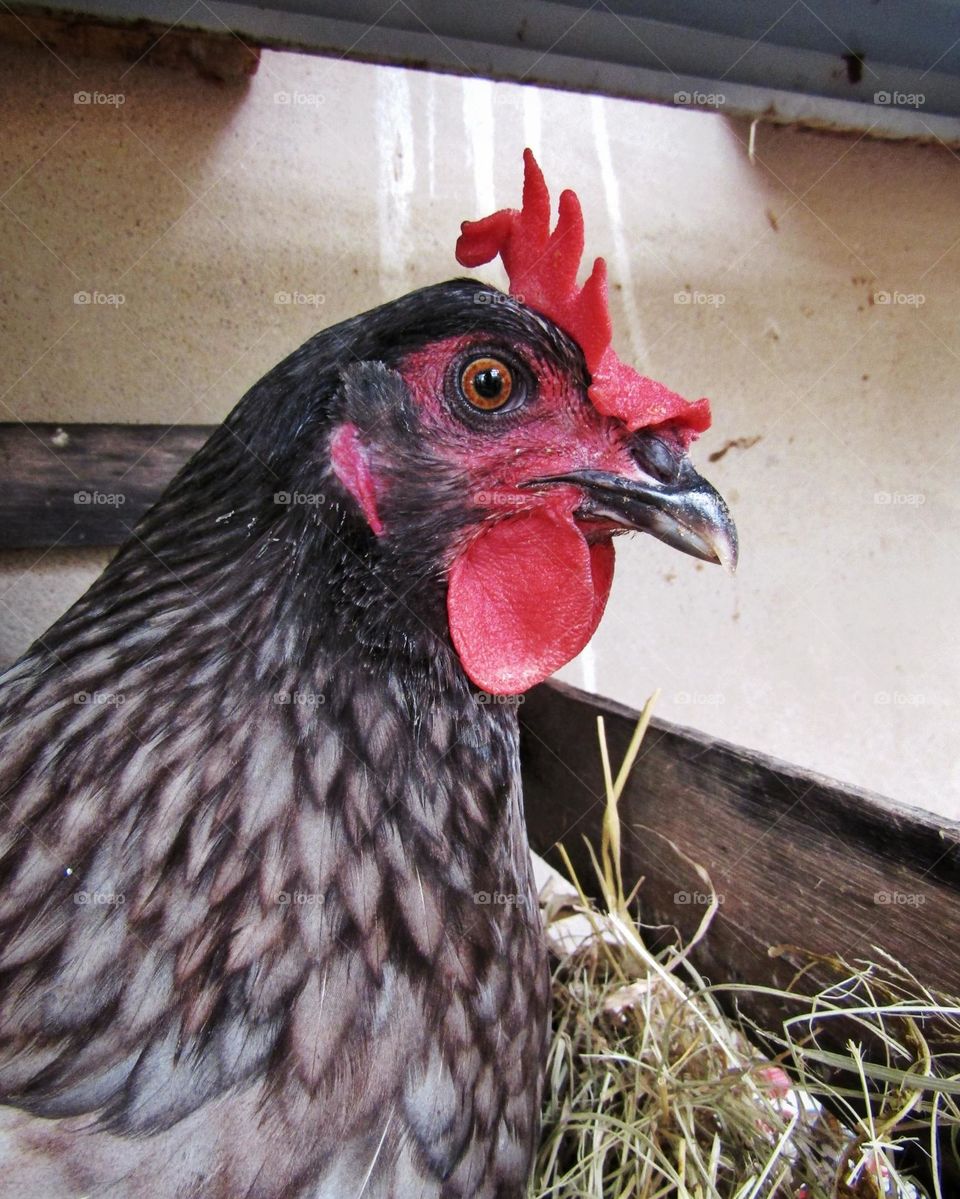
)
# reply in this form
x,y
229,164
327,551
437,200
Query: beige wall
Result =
x,y
836,645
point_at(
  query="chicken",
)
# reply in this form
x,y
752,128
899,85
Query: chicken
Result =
x,y
267,923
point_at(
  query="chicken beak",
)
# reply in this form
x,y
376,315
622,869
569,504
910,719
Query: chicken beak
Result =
x,y
672,502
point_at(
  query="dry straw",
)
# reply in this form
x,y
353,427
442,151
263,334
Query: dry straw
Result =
x,y
653,1091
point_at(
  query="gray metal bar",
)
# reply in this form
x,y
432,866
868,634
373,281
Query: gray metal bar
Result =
x,y
892,69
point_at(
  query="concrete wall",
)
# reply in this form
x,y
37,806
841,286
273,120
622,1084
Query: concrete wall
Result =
x,y
756,283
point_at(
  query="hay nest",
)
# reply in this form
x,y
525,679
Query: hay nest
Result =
x,y
654,1091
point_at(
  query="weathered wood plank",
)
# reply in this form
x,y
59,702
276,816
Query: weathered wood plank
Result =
x,y
85,484
216,54
795,858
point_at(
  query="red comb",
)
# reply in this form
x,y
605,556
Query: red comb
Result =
x,y
542,267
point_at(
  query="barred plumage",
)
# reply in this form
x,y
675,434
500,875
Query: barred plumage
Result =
x,y
241,952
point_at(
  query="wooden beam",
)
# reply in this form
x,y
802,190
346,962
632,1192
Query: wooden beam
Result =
x,y
215,54
70,485
796,859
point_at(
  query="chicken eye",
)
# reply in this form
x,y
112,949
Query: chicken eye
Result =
x,y
486,383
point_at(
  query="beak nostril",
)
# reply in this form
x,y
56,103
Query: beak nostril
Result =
x,y
656,458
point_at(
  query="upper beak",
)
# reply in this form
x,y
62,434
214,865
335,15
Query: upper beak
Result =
x,y
671,501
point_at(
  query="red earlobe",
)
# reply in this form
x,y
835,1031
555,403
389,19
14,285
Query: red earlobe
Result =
x,y
349,459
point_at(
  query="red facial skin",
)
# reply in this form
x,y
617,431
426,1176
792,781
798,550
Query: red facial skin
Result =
x,y
528,585
557,431
527,580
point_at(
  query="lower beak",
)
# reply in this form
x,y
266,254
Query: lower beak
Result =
x,y
673,503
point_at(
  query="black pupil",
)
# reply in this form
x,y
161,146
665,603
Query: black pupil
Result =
x,y
488,383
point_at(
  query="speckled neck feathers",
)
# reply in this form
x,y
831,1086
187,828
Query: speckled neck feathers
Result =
x,y
252,811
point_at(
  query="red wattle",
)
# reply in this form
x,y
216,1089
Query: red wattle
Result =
x,y
525,597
